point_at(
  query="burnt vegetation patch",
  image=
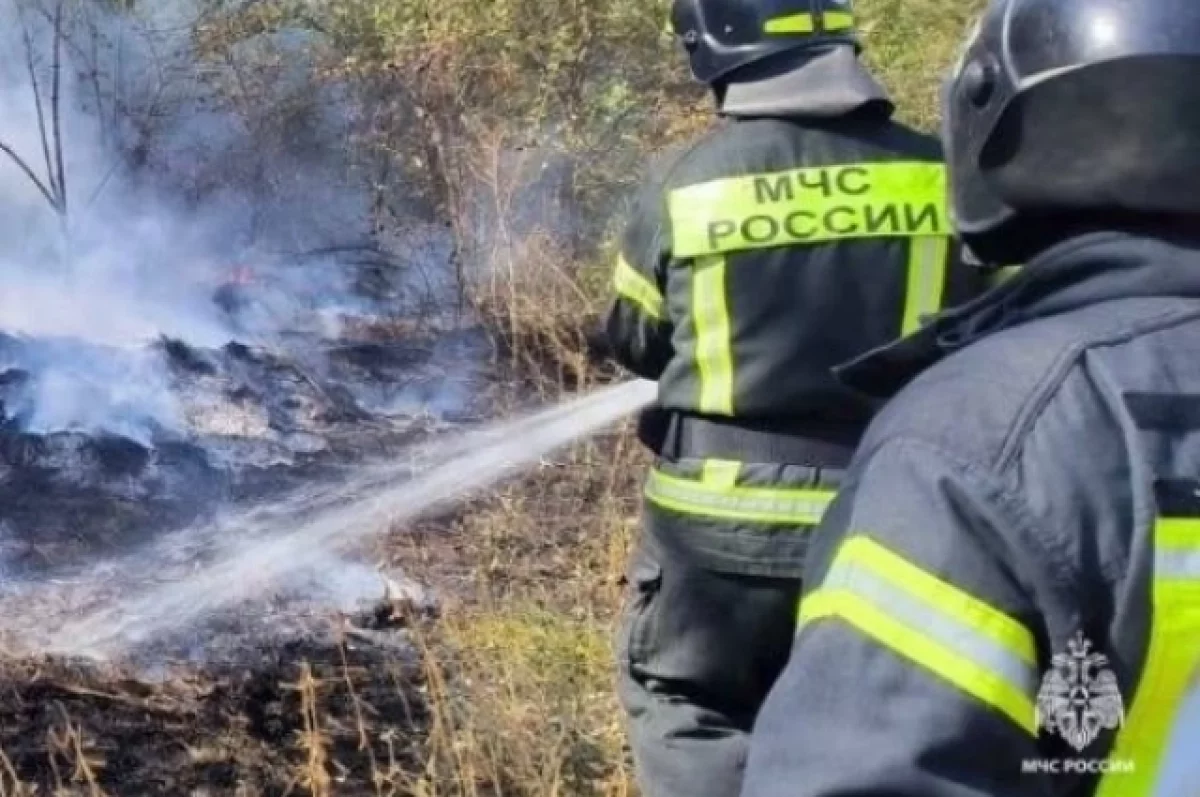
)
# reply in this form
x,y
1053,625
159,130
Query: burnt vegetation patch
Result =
x,y
297,716
256,423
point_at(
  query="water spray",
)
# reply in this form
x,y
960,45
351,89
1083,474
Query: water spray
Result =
x,y
270,545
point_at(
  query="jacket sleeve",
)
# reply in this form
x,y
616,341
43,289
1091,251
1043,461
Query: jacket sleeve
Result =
x,y
638,325
913,673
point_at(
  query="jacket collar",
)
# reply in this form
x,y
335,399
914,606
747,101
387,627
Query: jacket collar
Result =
x,y
827,84
1087,270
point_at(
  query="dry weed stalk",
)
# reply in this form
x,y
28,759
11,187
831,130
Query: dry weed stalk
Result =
x,y
69,744
315,773
360,723
392,780
519,679
11,784
527,284
398,776
447,744
382,780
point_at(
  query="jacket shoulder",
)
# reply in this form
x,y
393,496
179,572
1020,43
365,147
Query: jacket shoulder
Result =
x,y
647,202
675,165
1075,422
771,144
985,402
968,403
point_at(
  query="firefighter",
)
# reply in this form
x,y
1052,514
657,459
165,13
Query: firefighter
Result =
x,y
1005,597
806,228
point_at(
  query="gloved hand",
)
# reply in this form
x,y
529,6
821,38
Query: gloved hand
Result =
x,y
652,427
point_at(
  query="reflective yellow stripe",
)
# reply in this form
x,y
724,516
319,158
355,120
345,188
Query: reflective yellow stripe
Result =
x,y
1171,671
805,206
714,358
716,495
792,23
831,22
837,21
957,637
926,279
721,472
631,284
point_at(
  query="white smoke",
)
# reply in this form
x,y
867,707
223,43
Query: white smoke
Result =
x,y
123,391
174,168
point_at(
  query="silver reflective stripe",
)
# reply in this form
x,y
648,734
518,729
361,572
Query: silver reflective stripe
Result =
x,y
930,621
763,504
1179,773
1177,564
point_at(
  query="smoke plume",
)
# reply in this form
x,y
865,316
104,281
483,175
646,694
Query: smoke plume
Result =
x,y
149,178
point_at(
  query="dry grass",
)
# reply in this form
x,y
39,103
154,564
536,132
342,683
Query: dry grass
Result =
x,y
515,677
11,784
544,308
524,706
519,672
539,294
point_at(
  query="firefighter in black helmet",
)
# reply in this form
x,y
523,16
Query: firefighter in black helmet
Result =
x,y
1005,598
805,229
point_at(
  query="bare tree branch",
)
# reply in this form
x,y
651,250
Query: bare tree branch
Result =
x,y
89,62
94,74
118,79
27,40
55,109
100,186
7,150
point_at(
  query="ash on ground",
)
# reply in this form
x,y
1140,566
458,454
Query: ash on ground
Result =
x,y
239,424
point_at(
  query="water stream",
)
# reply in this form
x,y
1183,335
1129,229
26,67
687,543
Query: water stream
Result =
x,y
259,549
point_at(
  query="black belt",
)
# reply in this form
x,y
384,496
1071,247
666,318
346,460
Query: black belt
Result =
x,y
817,445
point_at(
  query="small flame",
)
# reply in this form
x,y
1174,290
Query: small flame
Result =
x,y
241,274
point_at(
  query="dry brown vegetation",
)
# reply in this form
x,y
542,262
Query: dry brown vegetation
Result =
x,y
515,676
533,638
520,669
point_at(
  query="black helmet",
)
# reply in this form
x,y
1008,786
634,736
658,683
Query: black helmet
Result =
x,y
1065,114
725,35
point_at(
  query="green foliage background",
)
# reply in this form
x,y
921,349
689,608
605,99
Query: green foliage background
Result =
x,y
595,78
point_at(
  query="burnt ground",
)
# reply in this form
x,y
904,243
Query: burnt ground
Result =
x,y
258,423
321,699
349,713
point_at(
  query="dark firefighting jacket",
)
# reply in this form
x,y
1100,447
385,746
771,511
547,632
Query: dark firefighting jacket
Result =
x,y
1004,599
766,253
773,249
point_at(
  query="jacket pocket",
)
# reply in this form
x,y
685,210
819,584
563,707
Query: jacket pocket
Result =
x,y
637,623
